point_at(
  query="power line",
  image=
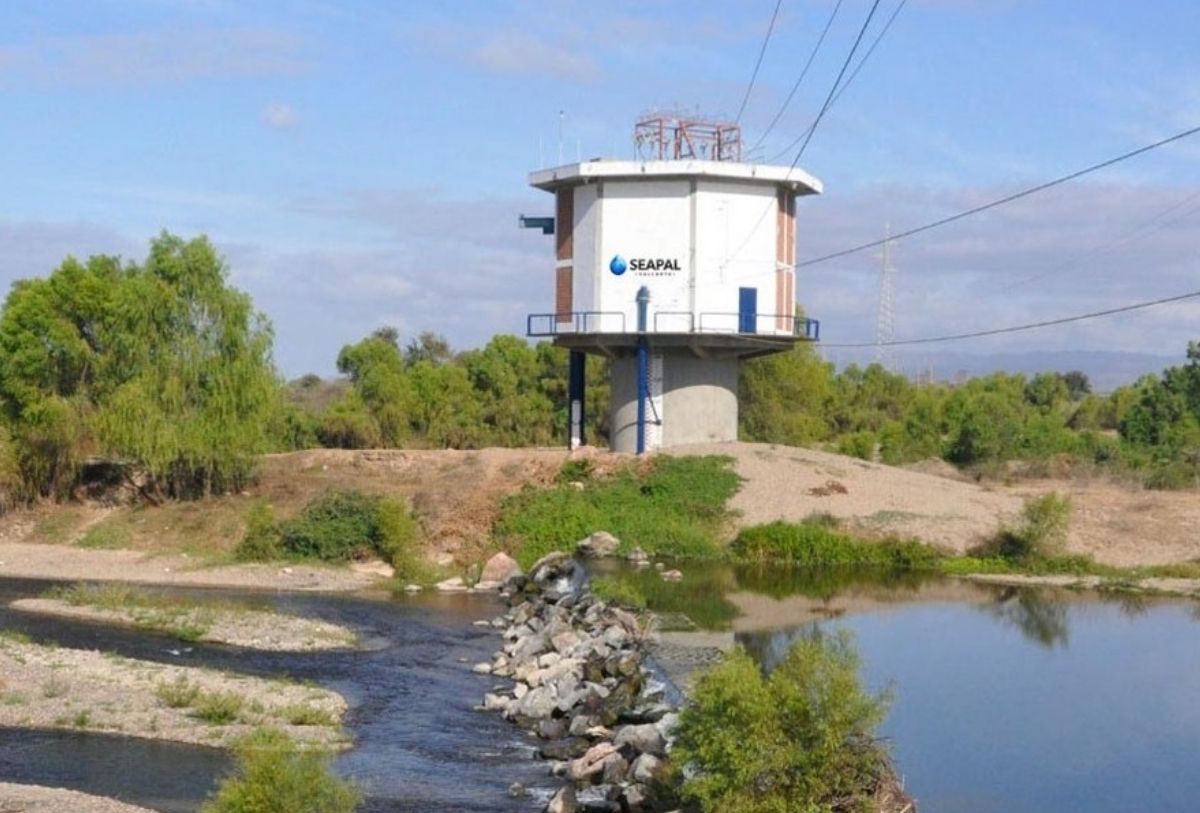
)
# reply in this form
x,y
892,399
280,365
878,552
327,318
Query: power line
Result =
x,y
829,98
761,53
1006,199
853,74
803,73
849,57
1019,328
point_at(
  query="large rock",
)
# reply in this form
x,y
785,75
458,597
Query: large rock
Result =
x,y
454,585
500,568
591,763
645,739
645,768
564,801
599,545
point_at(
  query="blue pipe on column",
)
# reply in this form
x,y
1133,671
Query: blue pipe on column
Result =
x,y
643,367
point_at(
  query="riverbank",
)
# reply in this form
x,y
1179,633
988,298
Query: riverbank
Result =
x,y
38,799
51,687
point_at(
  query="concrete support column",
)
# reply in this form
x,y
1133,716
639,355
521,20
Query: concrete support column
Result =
x,y
699,400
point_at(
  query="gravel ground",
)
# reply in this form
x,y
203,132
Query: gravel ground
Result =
x,y
55,687
252,629
36,799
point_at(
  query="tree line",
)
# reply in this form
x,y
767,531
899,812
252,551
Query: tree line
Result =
x,y
164,369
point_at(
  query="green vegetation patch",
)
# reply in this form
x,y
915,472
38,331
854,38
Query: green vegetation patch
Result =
x,y
812,725
817,544
276,775
671,506
339,526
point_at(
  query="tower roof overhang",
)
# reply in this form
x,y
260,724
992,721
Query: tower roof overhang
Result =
x,y
796,179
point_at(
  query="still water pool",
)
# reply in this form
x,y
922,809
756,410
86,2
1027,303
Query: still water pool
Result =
x,y
1005,699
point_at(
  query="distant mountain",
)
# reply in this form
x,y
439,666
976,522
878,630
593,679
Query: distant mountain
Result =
x,y
1106,370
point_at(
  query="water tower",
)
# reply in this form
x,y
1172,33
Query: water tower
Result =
x,y
676,266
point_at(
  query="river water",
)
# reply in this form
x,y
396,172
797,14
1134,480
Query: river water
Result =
x,y
1004,699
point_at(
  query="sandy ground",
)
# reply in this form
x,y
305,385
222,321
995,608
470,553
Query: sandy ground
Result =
x,y
1116,525
39,561
252,629
786,483
54,687
36,799
1125,527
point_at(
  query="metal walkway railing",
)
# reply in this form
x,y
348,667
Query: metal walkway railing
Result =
x,y
731,323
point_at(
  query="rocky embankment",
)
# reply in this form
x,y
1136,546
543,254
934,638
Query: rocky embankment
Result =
x,y
576,677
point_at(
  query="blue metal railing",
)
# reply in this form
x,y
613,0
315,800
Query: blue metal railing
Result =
x,y
556,324
540,325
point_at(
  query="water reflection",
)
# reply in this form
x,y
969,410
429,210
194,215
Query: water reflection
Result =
x,y
1039,617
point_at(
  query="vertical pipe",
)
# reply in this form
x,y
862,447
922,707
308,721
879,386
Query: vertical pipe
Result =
x,y
576,397
643,366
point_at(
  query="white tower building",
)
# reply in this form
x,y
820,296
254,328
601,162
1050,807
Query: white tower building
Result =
x,y
676,268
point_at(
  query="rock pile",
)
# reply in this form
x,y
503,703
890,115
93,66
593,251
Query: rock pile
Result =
x,y
580,685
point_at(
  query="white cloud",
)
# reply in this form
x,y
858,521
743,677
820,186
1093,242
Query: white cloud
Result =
x,y
280,116
522,52
153,57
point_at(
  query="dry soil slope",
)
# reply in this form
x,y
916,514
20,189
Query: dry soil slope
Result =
x,y
787,483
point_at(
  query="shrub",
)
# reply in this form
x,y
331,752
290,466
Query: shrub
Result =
x,y
178,694
217,708
344,525
812,728
274,775
815,543
304,715
858,444
262,541
1040,534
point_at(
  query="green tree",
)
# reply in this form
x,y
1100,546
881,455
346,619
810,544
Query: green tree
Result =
x,y
783,397
163,364
811,725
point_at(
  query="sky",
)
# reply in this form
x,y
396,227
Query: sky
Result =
x,y
330,150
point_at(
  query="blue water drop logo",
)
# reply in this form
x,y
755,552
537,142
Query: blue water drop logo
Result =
x,y
618,265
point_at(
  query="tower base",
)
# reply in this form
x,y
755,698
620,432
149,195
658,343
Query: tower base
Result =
x,y
691,400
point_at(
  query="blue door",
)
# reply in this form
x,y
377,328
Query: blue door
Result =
x,y
747,310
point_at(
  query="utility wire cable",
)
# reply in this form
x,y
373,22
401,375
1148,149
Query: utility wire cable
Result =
x,y
761,53
787,176
800,79
853,74
836,82
1019,328
1024,193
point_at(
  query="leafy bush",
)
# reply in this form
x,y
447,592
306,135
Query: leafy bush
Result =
x,y
338,526
816,544
262,541
858,444
1040,534
811,725
672,506
274,775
